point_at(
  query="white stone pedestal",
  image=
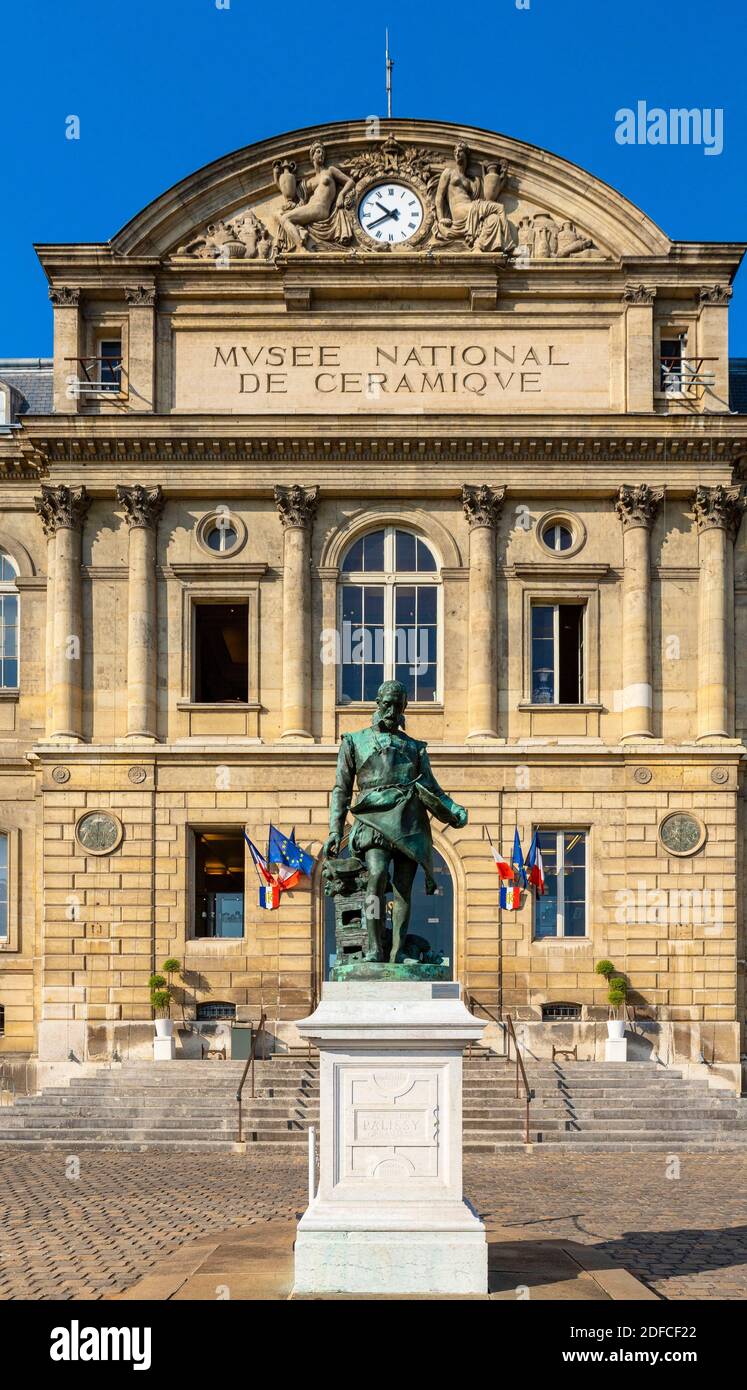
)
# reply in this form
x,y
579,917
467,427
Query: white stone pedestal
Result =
x,y
389,1215
616,1050
164,1049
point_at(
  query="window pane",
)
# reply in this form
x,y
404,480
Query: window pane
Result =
x,y
542,620
427,646
427,600
404,552
352,603
575,847
404,608
406,675
426,683
352,683
545,917
373,604
575,919
7,569
353,561
373,551
543,675
10,674
372,678
426,561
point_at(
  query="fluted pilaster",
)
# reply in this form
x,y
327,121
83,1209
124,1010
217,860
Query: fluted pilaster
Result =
x,y
63,511
142,508
637,508
482,508
296,507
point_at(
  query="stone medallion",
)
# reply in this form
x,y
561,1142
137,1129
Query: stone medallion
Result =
x,y
60,774
720,775
642,775
137,774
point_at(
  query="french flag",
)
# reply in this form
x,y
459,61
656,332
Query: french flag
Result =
x,y
535,866
509,898
502,865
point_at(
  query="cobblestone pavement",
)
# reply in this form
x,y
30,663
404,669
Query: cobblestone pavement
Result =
x,y
84,1233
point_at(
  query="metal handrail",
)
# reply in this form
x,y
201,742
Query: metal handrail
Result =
x,y
249,1063
507,1023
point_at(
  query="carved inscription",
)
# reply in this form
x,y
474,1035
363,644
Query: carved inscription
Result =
x,y
478,370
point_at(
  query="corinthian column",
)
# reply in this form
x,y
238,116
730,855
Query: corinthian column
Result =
x,y
296,506
142,508
63,511
482,508
637,508
718,511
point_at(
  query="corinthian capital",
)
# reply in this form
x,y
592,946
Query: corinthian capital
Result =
x,y
62,296
482,505
639,294
143,296
637,506
719,508
296,505
715,294
142,505
62,508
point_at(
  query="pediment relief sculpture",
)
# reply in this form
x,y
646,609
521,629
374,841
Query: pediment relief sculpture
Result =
x,y
395,198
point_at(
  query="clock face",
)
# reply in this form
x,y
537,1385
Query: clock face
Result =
x,y
390,213
681,833
98,832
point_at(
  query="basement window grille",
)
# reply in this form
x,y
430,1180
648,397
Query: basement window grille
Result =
x,y
217,1009
560,1013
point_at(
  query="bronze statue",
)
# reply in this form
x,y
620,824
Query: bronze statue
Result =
x,y
396,790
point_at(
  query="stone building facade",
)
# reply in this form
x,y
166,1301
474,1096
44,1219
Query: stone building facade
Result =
x,y
423,401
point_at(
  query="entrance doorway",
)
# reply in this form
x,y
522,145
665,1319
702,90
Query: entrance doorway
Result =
x,y
431,917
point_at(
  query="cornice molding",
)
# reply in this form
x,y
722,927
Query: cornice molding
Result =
x,y
620,439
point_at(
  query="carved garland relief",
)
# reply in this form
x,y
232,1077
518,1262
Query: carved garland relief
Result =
x,y
390,198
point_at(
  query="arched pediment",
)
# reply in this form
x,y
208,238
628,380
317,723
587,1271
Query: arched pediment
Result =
x,y
505,197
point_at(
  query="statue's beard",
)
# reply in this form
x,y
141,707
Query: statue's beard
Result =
x,y
391,722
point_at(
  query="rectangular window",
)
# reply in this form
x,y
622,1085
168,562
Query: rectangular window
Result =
x,y
672,367
221,653
562,909
8,641
558,653
219,883
3,887
110,363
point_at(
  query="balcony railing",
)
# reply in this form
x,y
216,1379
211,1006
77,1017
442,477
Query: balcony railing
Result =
x,y
96,376
686,376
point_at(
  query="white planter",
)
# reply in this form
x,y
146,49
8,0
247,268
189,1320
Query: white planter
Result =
x,y
164,1027
616,1028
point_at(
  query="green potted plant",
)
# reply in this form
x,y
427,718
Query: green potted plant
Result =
x,y
160,998
617,993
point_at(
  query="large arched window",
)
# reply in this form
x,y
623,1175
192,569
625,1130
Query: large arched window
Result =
x,y
8,624
389,610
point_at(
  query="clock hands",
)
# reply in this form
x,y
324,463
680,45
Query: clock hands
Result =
x,y
394,213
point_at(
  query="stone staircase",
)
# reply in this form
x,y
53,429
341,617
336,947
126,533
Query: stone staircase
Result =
x,y
190,1106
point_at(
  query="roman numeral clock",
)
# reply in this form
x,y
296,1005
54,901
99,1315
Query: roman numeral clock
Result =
x,y
390,213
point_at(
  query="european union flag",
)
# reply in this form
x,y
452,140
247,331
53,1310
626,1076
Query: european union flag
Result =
x,y
282,849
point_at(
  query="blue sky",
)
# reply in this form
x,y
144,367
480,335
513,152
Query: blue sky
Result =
x,y
164,86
